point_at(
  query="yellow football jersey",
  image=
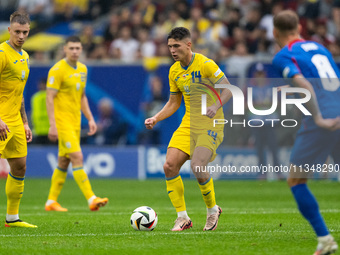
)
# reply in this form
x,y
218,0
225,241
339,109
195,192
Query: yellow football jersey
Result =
x,y
70,83
14,71
198,78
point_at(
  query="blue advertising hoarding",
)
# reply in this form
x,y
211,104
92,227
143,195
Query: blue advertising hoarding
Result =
x,y
102,162
230,163
141,162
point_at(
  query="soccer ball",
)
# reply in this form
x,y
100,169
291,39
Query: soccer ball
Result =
x,y
144,218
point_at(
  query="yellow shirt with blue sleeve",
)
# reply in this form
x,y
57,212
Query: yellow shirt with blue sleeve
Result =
x,y
193,81
70,83
198,78
14,71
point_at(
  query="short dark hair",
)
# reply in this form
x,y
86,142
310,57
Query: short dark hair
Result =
x,y
72,38
286,21
20,17
179,33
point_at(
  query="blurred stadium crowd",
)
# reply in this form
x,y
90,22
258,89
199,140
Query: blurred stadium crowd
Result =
x,y
234,33
130,30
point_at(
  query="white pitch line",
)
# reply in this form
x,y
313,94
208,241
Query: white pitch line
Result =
x,y
194,210
163,233
153,233
48,214
191,212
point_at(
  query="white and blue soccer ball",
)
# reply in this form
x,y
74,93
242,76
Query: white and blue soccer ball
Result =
x,y
144,218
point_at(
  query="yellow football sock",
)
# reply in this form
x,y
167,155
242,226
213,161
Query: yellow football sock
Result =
x,y
208,192
14,190
57,183
175,189
83,181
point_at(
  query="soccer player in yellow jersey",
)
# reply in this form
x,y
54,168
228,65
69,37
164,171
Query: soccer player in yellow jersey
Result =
x,y
14,130
65,101
196,138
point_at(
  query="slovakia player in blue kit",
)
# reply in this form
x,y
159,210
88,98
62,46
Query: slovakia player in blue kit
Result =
x,y
309,65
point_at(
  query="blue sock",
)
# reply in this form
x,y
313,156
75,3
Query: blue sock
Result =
x,y
309,208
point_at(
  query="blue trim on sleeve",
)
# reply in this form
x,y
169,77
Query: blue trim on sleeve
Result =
x,y
221,79
52,88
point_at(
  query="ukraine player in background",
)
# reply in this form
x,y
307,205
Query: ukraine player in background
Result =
x,y
65,101
309,65
14,130
195,139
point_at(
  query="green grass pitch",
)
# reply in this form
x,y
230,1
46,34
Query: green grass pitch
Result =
x,y
258,218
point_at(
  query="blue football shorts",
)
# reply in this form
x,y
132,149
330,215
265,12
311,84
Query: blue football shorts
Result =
x,y
313,147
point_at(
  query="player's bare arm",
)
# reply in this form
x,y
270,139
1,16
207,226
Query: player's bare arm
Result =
x,y
313,106
225,97
52,132
23,114
169,108
88,114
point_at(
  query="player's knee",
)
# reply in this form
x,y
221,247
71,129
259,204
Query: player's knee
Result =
x,y
200,171
77,159
296,181
19,171
170,169
63,162
196,165
168,166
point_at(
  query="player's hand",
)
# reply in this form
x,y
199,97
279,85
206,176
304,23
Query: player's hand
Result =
x,y
53,134
93,127
150,123
330,124
3,131
28,133
211,111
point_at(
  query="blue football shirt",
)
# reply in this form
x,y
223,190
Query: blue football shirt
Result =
x,y
316,64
